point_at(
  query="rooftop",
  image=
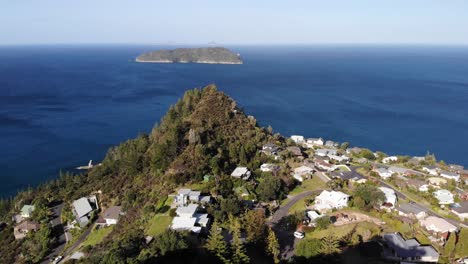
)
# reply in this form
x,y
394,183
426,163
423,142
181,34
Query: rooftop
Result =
x,y
411,208
408,248
82,206
112,212
239,171
187,210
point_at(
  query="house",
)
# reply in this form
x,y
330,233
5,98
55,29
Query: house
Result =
x,y
27,210
295,151
268,167
417,185
328,200
354,150
383,173
110,216
443,196
411,210
331,144
270,149
456,168
450,175
390,198
321,152
185,196
361,160
297,139
339,158
315,141
438,225
321,164
241,173
461,210
82,209
312,216
21,230
351,176
188,219
432,170
397,170
302,172
396,248
436,181
389,159
416,160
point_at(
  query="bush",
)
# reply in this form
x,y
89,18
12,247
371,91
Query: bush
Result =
x,y
172,212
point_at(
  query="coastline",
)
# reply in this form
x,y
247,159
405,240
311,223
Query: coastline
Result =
x,y
195,62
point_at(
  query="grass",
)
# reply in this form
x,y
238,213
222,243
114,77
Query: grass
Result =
x,y
158,224
340,231
97,236
299,206
309,185
343,168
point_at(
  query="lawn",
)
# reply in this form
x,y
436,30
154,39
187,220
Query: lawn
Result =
x,y
299,206
343,168
340,231
97,236
309,185
158,224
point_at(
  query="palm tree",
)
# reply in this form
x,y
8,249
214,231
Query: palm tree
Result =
x,y
330,245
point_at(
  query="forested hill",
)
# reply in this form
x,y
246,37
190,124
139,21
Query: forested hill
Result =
x,y
215,55
205,132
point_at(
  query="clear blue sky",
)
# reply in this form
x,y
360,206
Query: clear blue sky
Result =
x,y
233,22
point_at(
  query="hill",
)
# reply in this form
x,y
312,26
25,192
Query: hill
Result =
x,y
216,55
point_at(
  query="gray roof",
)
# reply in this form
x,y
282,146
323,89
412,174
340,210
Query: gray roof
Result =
x,y
408,248
189,209
82,207
112,212
462,209
408,208
348,175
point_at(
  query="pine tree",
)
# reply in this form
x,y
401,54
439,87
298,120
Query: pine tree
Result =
x,y
242,156
461,249
273,247
239,254
329,245
449,247
216,243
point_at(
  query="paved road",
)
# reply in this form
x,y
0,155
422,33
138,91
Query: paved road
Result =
x,y
77,243
57,227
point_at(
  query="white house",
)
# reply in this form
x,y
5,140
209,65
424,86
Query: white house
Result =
x,y
188,219
390,197
383,173
315,141
323,165
436,181
268,167
313,216
398,249
444,196
339,158
302,172
297,139
397,170
27,210
241,173
437,225
110,216
328,200
461,210
450,175
82,209
432,170
389,159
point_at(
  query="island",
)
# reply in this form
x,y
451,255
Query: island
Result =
x,y
214,55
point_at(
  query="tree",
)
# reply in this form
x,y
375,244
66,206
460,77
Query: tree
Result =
x,y
273,247
461,249
370,194
329,245
230,205
268,188
239,254
323,222
254,224
169,241
309,247
449,247
242,156
344,145
216,243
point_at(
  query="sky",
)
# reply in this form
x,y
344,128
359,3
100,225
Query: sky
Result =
x,y
234,22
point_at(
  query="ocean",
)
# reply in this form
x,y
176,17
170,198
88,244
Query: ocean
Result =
x,y
62,105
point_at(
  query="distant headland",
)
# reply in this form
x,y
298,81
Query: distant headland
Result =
x,y
215,55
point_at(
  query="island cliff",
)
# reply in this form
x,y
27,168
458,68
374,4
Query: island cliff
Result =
x,y
216,55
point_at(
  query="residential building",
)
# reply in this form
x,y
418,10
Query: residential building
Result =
x,y
270,149
438,226
450,175
82,209
351,176
456,168
302,172
331,144
390,198
295,151
27,210
110,216
185,196
436,181
340,159
432,170
354,150
361,160
241,173
397,170
416,160
321,164
188,219
443,196
297,138
268,167
315,141
461,210
396,248
417,185
384,173
389,159
411,210
21,230
328,200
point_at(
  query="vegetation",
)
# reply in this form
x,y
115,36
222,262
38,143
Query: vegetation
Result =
x,y
273,247
97,236
367,196
308,247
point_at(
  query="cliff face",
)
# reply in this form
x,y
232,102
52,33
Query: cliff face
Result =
x,y
192,55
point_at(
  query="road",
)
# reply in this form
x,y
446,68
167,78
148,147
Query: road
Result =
x,y
77,243
57,227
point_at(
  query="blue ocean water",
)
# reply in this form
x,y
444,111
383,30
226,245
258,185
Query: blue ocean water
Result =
x,y
63,105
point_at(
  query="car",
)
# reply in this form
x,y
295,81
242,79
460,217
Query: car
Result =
x,y
57,259
299,234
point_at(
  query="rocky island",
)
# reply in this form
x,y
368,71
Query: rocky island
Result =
x,y
216,55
